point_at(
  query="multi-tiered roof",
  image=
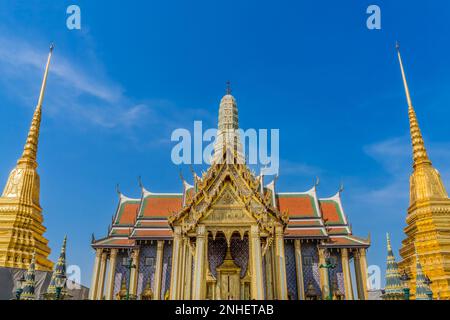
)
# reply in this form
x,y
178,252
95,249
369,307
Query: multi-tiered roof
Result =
x,y
308,216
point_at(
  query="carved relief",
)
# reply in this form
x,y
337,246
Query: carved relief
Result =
x,y
13,187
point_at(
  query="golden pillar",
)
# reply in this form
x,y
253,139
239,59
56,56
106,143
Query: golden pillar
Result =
x,y
95,273
361,273
188,274
347,274
299,270
269,275
158,269
101,276
111,275
274,272
257,291
134,272
181,274
324,285
280,262
363,264
200,262
175,263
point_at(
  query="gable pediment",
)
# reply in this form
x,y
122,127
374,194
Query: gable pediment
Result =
x,y
227,194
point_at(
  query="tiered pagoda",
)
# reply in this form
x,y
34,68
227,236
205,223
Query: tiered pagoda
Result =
x,y
229,235
428,220
21,228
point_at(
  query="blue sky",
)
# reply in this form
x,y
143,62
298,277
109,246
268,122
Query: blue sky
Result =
x,y
137,71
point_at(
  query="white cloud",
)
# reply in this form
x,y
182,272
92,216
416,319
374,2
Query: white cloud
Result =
x,y
78,91
395,157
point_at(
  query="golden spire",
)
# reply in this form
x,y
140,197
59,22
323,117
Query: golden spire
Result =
x,y
30,150
388,238
419,152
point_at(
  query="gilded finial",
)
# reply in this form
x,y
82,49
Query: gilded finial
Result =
x,y
228,87
388,239
419,152
63,249
30,150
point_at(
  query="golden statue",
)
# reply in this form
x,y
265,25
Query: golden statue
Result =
x,y
147,294
121,295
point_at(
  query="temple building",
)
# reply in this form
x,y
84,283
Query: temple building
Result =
x,y
21,229
428,220
229,235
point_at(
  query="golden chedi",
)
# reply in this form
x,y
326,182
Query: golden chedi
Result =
x,y
428,220
21,229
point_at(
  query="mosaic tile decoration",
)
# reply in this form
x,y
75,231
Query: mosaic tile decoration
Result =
x,y
291,272
217,249
167,268
147,254
240,252
121,271
310,262
338,273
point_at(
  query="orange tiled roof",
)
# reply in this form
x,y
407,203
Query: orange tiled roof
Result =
x,y
297,205
160,205
305,232
127,211
331,212
346,241
154,233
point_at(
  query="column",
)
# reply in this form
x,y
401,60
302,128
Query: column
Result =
x,y
199,267
111,275
101,276
363,264
324,285
159,269
347,274
299,270
269,275
257,284
188,273
274,272
358,276
175,263
180,293
134,272
94,280
280,262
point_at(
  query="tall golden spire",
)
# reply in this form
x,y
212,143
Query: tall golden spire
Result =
x,y
30,150
21,219
419,152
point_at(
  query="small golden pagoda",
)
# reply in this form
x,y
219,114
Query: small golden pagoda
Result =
x,y
21,229
428,220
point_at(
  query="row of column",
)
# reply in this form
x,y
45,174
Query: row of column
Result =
x,y
182,277
108,257
360,265
182,285
275,268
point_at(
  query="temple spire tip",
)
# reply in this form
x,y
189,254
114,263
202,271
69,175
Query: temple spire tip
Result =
x,y
228,87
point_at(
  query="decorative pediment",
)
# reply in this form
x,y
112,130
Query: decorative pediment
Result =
x,y
228,193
